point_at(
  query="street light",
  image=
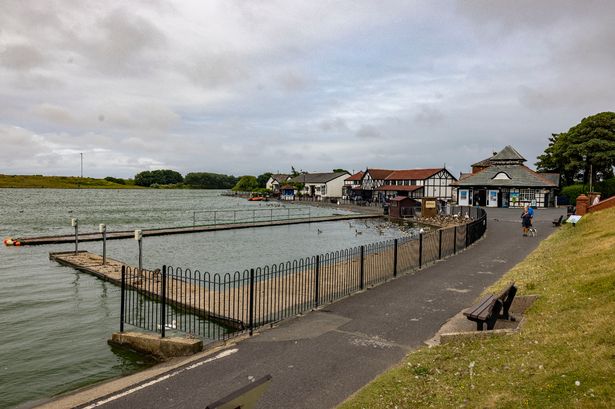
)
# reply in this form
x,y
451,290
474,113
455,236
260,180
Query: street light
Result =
x,y
139,239
75,223
103,229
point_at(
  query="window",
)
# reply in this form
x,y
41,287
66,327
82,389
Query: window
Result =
x,y
502,175
527,195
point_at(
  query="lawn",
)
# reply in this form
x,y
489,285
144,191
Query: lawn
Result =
x,y
59,182
564,356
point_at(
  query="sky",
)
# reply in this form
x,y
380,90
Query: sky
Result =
x,y
247,87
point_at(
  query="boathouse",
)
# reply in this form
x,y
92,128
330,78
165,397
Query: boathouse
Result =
x,y
402,206
504,181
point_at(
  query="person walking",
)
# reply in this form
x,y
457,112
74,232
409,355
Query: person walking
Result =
x,y
526,220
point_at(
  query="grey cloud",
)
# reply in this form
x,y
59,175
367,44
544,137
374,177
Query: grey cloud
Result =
x,y
336,124
429,115
54,113
21,57
292,81
368,132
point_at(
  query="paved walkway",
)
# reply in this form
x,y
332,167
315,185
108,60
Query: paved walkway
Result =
x,y
319,359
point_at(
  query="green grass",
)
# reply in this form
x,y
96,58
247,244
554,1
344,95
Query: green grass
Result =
x,y
568,336
59,182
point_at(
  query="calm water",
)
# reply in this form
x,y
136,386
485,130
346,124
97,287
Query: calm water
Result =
x,y
56,321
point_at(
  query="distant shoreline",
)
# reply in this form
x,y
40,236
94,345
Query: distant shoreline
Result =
x,y
60,182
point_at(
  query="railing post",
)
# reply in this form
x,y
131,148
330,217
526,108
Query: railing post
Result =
x,y
317,283
193,219
395,258
251,312
467,234
420,250
163,301
455,241
253,216
122,298
362,269
234,216
440,245
271,216
215,217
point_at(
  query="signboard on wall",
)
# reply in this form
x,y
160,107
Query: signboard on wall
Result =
x,y
429,208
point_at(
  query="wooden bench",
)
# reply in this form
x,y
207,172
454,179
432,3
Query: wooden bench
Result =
x,y
558,222
491,308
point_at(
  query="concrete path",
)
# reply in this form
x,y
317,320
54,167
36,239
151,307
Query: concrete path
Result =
x,y
319,359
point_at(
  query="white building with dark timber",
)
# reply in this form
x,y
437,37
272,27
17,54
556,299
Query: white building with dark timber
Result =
x,y
322,185
504,181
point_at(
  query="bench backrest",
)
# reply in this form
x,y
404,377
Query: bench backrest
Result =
x,y
507,296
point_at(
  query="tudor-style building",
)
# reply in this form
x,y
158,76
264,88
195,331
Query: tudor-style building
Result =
x,y
504,181
419,183
379,185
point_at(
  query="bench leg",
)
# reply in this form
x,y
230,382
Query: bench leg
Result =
x,y
479,325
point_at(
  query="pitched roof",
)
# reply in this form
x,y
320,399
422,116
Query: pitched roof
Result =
x,y
551,177
508,154
482,163
399,188
317,177
280,177
413,174
379,174
520,176
357,176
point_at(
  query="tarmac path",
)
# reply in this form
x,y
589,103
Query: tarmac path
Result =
x,y
319,359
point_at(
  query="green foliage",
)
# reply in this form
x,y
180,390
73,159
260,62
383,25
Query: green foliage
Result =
x,y
606,189
60,182
562,357
206,180
340,170
586,147
573,191
115,180
159,177
262,179
263,191
246,184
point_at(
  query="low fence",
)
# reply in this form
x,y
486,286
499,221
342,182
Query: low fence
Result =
x,y
217,307
216,217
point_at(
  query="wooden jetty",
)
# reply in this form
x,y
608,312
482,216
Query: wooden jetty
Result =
x,y
275,294
127,234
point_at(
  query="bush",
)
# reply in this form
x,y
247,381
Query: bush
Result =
x,y
115,180
606,189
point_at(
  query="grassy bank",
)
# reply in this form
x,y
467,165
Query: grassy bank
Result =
x,y
59,182
564,357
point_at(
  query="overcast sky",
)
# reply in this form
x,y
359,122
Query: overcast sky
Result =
x,y
245,87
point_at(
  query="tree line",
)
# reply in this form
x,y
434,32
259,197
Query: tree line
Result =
x,y
583,155
199,180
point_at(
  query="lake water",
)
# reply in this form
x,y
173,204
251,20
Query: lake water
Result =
x,y
56,321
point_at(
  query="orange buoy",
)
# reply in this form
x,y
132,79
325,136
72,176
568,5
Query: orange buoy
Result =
x,y
17,243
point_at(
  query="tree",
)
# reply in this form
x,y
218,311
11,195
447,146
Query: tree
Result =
x,y
159,177
587,147
262,179
205,180
340,170
246,184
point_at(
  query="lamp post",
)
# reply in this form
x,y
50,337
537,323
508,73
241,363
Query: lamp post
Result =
x,y
103,229
139,239
75,223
